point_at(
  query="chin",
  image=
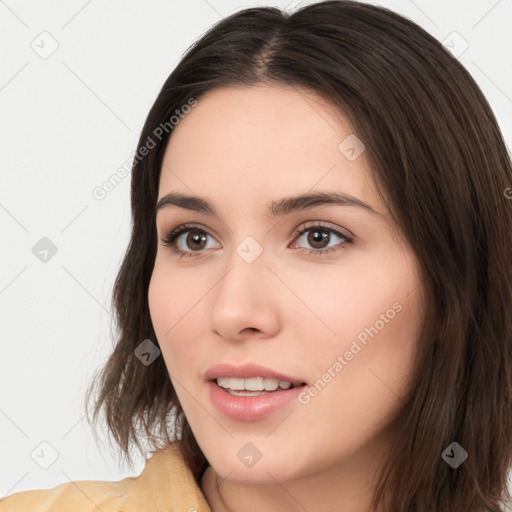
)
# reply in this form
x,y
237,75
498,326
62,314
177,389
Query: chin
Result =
x,y
264,471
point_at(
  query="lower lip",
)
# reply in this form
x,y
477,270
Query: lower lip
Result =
x,y
250,408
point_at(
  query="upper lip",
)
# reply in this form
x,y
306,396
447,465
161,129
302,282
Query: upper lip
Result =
x,y
248,371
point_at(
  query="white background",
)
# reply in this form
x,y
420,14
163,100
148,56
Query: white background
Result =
x,y
67,123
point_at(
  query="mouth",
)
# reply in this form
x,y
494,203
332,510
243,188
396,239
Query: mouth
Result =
x,y
250,392
255,399
254,386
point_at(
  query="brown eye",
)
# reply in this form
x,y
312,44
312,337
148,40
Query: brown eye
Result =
x,y
192,244
319,236
195,240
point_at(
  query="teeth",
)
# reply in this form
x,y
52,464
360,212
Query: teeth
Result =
x,y
252,384
245,393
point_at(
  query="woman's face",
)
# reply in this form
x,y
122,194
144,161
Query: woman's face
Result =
x,y
336,308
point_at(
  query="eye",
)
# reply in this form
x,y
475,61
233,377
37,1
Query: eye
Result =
x,y
193,245
320,236
195,239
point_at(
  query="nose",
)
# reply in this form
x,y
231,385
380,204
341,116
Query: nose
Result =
x,y
245,300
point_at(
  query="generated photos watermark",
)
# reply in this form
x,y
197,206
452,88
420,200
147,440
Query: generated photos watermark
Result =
x,y
101,191
355,348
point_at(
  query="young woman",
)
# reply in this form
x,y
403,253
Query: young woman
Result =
x,y
314,306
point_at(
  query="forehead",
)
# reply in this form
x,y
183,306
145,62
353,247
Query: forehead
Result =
x,y
262,141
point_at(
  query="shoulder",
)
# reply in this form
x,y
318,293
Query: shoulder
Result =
x,y
80,496
165,485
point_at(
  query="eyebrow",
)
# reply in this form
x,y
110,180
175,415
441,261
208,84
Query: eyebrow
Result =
x,y
274,208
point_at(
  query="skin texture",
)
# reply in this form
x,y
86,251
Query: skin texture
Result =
x,y
288,310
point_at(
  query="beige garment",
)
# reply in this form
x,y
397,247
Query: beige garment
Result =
x,y
165,485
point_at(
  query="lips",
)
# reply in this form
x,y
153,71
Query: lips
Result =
x,y
237,406
251,408
248,371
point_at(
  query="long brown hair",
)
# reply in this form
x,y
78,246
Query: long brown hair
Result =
x,y
442,168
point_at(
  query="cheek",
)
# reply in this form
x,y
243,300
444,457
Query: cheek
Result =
x,y
341,302
370,314
177,312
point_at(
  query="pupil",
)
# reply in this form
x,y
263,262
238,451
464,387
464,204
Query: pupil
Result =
x,y
317,237
196,239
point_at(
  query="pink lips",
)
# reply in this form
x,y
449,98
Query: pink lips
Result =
x,y
249,408
247,371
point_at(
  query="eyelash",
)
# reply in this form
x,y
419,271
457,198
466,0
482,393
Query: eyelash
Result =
x,y
172,236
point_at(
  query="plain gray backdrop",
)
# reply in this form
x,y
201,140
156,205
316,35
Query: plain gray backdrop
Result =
x,y
77,79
